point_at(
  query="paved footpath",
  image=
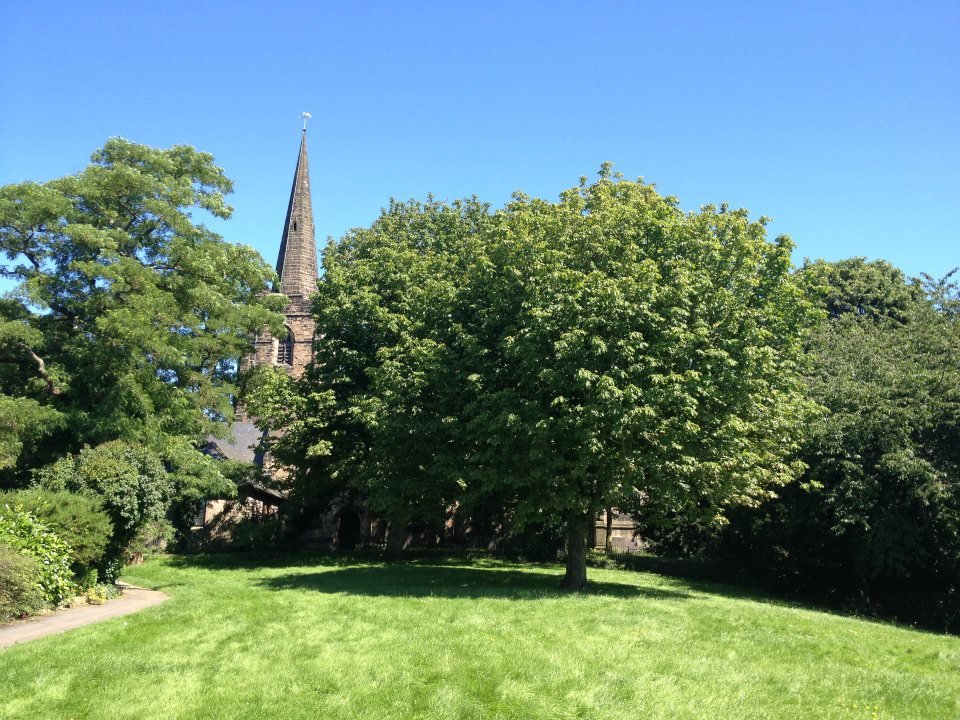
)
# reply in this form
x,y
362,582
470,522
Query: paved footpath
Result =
x,y
132,600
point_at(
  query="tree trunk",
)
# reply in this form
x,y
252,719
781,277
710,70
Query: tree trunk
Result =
x,y
577,528
396,535
608,538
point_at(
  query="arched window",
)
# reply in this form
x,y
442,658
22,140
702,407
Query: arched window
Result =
x,y
285,350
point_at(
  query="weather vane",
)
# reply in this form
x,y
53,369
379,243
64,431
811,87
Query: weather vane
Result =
x,y
305,116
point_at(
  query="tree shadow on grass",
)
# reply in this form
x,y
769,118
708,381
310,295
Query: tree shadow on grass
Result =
x,y
449,581
252,561
369,562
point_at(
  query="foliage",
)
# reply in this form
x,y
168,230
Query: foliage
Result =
x,y
79,520
873,290
884,477
534,542
255,533
129,317
21,531
20,591
195,476
210,479
875,522
24,423
131,482
886,456
551,360
152,538
96,594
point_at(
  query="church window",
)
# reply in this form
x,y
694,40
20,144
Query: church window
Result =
x,y
200,518
285,350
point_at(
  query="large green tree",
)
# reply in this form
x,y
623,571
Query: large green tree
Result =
x,y
377,415
551,360
641,358
874,290
128,316
876,522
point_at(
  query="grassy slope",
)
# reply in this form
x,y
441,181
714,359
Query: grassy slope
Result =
x,y
314,638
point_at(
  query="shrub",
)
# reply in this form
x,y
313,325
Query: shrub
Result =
x,y
22,532
20,592
152,538
537,542
130,481
96,595
255,533
79,520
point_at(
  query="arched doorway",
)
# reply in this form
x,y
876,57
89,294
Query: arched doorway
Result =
x,y
348,530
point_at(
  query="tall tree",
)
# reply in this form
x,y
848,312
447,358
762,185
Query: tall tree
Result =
x,y
376,414
555,359
870,289
631,355
876,521
129,316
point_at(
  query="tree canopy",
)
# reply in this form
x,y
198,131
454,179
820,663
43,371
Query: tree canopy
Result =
x,y
129,315
549,360
875,521
855,286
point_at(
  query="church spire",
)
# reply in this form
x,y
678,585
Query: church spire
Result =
x,y
297,263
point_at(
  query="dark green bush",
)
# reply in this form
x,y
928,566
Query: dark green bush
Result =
x,y
153,538
20,592
255,534
537,542
874,524
21,531
130,481
79,520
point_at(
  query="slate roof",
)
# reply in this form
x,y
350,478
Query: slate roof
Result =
x,y
262,493
243,447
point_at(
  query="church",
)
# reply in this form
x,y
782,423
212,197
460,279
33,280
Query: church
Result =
x,y
345,525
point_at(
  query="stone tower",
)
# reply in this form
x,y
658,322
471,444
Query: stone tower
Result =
x,y
297,268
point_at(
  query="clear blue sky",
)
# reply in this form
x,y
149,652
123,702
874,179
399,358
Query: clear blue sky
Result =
x,y
841,120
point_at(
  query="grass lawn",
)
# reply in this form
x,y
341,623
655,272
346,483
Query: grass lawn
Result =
x,y
323,637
